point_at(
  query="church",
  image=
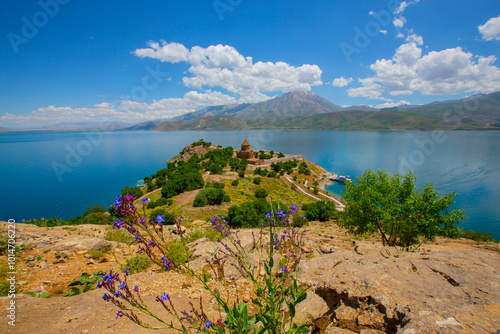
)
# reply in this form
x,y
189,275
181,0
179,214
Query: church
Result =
x,y
247,153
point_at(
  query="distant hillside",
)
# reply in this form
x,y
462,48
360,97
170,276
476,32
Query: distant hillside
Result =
x,y
5,130
477,110
219,122
302,110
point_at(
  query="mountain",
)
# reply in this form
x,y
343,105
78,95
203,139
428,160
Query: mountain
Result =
x,y
477,110
289,104
219,122
6,130
305,110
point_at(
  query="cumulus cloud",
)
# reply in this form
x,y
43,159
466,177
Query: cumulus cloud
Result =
x,y
341,82
446,72
223,66
124,111
392,104
491,29
399,20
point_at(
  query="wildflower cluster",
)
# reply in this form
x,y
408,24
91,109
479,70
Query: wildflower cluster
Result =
x,y
273,268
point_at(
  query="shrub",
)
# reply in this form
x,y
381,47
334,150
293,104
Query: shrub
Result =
x,y
210,196
235,183
476,236
138,263
398,210
257,180
321,211
271,173
134,191
119,236
241,174
260,193
169,218
251,214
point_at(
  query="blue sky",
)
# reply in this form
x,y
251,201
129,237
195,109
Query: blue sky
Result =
x,y
99,61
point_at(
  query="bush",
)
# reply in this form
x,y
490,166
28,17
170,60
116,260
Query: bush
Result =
x,y
235,183
257,180
200,200
138,263
271,173
241,174
119,236
251,214
260,193
169,217
476,236
210,196
398,210
134,191
93,209
320,211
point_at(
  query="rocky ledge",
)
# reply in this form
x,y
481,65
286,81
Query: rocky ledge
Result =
x,y
356,286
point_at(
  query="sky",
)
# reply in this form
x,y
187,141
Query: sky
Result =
x,y
66,61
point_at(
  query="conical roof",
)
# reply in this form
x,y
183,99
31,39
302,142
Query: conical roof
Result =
x,y
245,143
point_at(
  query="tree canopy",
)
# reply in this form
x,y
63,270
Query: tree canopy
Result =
x,y
397,209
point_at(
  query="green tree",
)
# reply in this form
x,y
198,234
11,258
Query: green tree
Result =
x,y
397,209
260,193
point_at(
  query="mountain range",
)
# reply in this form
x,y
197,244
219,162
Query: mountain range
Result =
x,y
306,110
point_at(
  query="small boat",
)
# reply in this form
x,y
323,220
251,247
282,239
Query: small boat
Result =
x,y
343,178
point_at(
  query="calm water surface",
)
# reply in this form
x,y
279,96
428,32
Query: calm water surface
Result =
x,y
61,174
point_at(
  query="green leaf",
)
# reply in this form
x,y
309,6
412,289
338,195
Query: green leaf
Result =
x,y
301,298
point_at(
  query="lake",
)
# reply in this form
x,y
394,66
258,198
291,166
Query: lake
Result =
x,y
61,174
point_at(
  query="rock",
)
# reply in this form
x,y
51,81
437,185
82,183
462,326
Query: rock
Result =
x,y
42,244
44,265
103,260
331,329
30,258
370,331
175,229
326,249
102,245
448,322
31,264
372,319
38,291
91,261
313,307
346,317
87,256
47,282
60,260
63,255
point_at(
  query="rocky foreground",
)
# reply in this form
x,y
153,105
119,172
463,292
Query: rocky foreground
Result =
x,y
356,286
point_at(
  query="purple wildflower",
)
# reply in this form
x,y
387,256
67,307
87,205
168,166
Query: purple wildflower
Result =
x,y
208,323
164,297
136,288
160,219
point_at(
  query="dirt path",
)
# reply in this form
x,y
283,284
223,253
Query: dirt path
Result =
x,y
340,206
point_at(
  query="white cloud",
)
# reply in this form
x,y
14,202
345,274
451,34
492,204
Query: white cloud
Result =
x,y
383,32
223,66
491,29
125,111
341,82
392,104
412,37
399,22
446,72
172,52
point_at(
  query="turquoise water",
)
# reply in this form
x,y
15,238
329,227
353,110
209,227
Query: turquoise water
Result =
x,y
61,174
